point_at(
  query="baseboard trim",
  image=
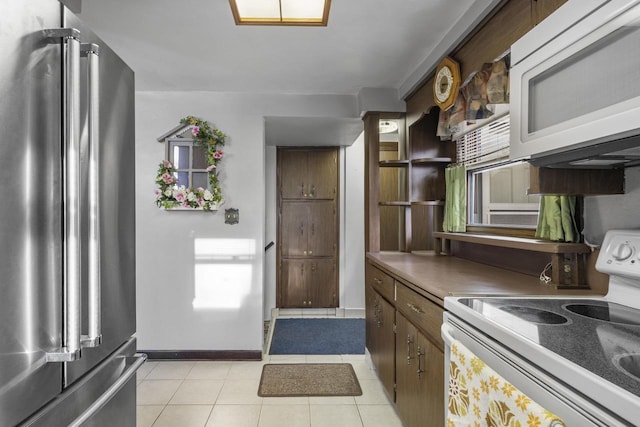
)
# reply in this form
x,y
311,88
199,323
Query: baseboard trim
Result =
x,y
318,312
202,354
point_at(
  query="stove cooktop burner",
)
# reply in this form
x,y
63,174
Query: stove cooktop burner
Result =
x,y
629,364
534,315
596,351
600,336
609,313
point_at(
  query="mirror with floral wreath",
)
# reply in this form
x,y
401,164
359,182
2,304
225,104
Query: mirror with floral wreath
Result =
x,y
188,177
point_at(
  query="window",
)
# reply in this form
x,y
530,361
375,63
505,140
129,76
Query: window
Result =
x,y
498,196
496,187
190,161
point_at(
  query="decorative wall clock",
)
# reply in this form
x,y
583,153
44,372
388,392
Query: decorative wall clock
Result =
x,y
446,83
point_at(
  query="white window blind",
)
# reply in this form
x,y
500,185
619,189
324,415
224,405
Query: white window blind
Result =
x,y
485,144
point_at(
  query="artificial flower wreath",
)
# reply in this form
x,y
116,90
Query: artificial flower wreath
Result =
x,y
169,195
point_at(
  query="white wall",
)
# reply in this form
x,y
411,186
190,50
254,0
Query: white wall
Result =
x,y
271,234
187,257
352,223
603,213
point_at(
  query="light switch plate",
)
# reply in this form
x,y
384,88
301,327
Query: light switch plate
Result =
x,y
231,216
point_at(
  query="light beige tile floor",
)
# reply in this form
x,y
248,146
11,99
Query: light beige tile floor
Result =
x,y
224,394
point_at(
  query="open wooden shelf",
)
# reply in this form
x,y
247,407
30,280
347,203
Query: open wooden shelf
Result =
x,y
431,160
536,245
394,163
428,202
394,203
567,259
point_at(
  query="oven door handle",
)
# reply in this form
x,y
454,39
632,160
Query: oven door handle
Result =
x,y
446,331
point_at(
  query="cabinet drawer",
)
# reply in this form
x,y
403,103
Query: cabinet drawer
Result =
x,y
381,282
424,314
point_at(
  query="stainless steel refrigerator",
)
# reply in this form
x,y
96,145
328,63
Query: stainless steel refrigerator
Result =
x,y
67,223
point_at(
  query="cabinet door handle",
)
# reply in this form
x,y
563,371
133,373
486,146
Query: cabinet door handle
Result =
x,y
302,189
313,229
312,193
415,308
375,312
409,342
301,228
420,354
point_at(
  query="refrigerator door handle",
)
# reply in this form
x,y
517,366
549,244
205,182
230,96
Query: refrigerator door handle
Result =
x,y
134,363
71,324
94,338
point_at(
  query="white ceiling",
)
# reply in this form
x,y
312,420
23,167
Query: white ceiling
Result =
x,y
191,45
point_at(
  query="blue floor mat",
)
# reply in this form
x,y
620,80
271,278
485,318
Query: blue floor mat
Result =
x,y
318,336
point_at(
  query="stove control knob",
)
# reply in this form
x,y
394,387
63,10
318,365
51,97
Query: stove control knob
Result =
x,y
622,251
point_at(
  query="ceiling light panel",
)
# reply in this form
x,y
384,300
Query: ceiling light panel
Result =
x,y
303,10
280,12
258,9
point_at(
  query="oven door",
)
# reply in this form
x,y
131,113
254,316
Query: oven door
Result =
x,y
548,392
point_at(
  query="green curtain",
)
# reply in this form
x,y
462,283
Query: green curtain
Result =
x,y
455,206
557,219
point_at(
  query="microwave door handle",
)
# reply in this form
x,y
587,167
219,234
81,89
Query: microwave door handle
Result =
x,y
94,336
71,323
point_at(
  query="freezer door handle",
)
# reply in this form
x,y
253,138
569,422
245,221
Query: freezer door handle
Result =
x,y
134,363
71,324
94,337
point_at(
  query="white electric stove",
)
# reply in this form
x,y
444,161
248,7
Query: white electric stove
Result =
x,y
577,357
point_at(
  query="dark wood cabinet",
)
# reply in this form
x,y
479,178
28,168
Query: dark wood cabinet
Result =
x,y
307,250
307,223
309,174
575,181
419,377
304,283
403,339
380,338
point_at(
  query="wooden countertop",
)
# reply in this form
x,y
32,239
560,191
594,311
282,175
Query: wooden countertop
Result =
x,y
438,276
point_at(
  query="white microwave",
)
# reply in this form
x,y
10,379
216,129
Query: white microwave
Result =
x,y
575,87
